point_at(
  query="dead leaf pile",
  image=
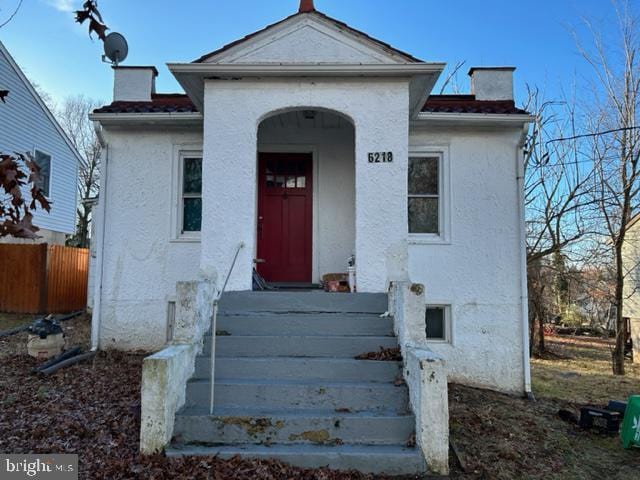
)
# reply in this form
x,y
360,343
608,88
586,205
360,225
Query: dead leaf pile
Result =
x,y
384,355
93,410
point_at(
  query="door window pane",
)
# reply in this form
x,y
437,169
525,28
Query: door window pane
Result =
x,y
302,182
423,215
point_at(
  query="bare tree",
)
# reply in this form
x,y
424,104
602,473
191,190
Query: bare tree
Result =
x,y
556,201
615,145
451,80
73,115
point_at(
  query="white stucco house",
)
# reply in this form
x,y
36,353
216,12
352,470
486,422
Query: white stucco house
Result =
x,y
309,142
27,125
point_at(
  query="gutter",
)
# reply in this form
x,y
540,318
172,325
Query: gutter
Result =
x,y
471,118
524,295
284,70
102,203
195,118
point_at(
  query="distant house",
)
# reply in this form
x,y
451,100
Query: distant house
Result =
x,y
631,299
27,125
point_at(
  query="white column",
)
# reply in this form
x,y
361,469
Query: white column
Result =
x,y
381,188
228,187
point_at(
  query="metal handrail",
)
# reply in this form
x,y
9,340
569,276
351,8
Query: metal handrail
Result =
x,y
214,321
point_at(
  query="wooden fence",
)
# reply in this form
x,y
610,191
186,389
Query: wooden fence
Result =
x,y
43,278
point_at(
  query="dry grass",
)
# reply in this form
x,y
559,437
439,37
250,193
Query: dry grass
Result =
x,y
503,437
578,370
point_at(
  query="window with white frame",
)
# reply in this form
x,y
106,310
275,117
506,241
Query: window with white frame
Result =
x,y
43,161
190,212
425,194
438,323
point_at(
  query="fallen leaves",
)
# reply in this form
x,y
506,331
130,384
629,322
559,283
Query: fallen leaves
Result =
x,y
93,410
15,214
384,355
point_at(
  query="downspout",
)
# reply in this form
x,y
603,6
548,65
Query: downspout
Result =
x,y
524,295
102,202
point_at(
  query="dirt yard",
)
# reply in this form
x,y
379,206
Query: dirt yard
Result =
x,y
93,409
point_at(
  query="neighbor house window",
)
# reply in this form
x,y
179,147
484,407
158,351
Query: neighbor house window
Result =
x,y
44,163
191,199
425,194
438,323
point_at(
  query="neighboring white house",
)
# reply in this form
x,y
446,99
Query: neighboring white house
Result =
x,y
27,125
310,142
631,265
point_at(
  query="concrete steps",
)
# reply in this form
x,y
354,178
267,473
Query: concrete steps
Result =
x,y
280,394
288,386
234,425
237,303
292,368
387,459
266,324
297,346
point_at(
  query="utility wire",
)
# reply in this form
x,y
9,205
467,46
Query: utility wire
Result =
x,y
595,134
12,15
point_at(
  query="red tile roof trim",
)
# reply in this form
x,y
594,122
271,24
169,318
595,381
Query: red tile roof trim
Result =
x,y
469,104
160,103
181,103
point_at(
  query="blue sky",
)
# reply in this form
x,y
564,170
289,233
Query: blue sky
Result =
x,y
535,36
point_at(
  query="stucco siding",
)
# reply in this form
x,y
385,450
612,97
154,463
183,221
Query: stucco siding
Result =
x,y
477,271
25,126
379,111
141,262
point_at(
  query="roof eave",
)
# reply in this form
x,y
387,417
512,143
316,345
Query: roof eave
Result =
x,y
164,118
472,119
423,76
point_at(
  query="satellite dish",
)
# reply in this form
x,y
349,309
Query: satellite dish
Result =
x,y
115,48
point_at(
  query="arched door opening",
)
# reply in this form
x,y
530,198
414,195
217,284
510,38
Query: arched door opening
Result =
x,y
305,195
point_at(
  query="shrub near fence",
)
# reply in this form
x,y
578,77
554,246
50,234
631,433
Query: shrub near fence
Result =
x,y
43,278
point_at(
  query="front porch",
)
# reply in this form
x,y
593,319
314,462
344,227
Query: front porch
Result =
x,y
288,384
356,206
306,196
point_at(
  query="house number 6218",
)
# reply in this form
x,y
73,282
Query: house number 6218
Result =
x,y
381,157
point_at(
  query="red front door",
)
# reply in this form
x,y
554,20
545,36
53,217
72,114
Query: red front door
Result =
x,y
285,200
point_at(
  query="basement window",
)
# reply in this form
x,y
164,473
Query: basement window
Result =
x,y
438,323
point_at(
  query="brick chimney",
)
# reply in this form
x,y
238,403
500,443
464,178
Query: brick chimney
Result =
x,y
134,84
306,6
492,83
